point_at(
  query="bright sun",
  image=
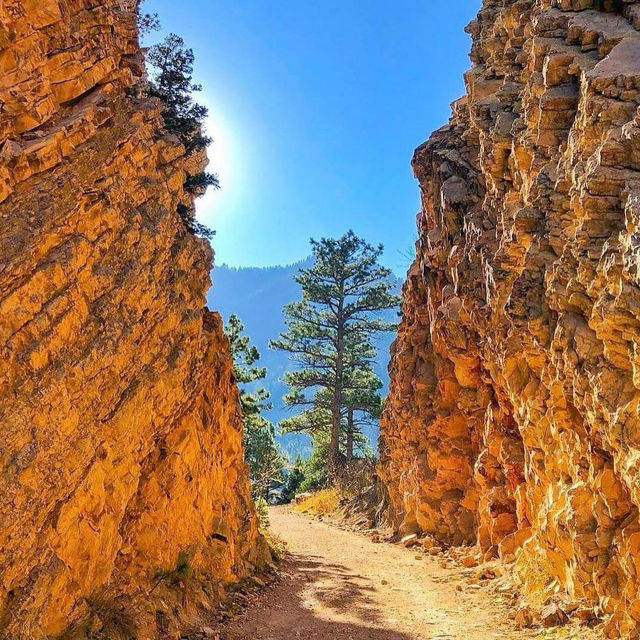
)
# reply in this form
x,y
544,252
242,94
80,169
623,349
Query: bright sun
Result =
x,y
223,162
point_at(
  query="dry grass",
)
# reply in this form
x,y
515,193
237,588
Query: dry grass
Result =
x,y
181,573
108,618
321,503
529,571
277,546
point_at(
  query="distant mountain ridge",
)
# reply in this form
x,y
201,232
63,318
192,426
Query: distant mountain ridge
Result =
x,y
257,295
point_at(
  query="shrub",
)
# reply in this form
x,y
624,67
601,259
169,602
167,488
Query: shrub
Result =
x,y
294,480
263,513
321,503
315,469
108,618
192,225
197,184
179,574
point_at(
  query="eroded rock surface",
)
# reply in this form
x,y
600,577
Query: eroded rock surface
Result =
x,y
512,419
121,447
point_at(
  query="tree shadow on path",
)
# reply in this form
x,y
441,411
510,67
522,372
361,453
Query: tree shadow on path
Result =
x,y
310,601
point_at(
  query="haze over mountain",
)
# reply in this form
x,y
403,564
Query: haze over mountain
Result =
x,y
257,295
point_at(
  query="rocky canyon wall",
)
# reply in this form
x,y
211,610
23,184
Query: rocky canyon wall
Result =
x,y
121,446
513,414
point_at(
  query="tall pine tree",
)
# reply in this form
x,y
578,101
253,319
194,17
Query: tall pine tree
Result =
x,y
262,453
330,334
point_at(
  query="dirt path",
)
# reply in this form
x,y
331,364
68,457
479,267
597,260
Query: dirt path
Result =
x,y
339,584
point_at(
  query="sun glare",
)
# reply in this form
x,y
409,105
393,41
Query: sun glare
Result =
x,y
223,162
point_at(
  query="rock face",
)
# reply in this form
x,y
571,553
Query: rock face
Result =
x,y
513,414
121,448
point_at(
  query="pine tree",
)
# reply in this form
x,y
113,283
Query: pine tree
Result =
x,y
262,453
147,22
245,355
329,337
172,81
263,456
362,406
294,479
171,65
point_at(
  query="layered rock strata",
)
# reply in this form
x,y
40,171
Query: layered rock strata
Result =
x,y
121,445
512,419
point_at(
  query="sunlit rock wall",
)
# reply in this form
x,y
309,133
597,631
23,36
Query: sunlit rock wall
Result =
x,y
512,418
120,446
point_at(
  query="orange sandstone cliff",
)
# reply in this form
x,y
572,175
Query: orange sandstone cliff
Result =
x,y
513,414
121,444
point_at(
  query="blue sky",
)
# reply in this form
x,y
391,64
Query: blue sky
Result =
x,y
315,109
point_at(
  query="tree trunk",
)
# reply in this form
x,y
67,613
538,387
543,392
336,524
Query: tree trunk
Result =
x,y
334,445
336,409
350,431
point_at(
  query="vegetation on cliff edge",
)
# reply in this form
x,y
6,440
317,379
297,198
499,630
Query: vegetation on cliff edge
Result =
x,y
171,80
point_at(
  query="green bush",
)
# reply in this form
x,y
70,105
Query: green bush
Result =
x,y
181,572
197,184
315,469
263,513
192,225
295,477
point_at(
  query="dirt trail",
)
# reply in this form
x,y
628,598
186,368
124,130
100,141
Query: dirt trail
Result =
x,y
339,584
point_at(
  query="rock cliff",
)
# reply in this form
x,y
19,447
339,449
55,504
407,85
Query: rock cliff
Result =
x,y
513,414
121,447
